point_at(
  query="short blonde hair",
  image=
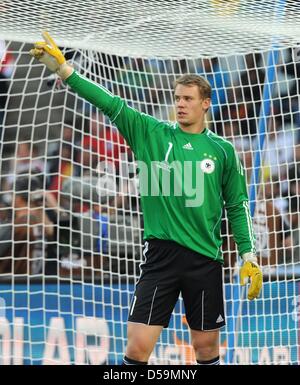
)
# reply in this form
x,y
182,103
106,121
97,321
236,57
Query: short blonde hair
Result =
x,y
195,80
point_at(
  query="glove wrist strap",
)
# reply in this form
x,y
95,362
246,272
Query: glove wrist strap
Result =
x,y
65,70
249,257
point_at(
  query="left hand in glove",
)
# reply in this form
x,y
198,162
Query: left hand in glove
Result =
x,y
251,269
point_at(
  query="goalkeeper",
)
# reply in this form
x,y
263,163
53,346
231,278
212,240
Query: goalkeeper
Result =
x,y
182,236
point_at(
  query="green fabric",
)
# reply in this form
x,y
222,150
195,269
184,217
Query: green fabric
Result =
x,y
216,177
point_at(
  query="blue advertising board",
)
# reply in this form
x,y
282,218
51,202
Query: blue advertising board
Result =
x,y
84,323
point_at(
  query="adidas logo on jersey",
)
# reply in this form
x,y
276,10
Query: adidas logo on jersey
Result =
x,y
188,146
220,319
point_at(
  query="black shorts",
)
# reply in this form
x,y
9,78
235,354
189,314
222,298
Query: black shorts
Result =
x,y
170,269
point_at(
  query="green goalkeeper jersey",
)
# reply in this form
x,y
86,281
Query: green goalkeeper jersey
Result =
x,y
185,179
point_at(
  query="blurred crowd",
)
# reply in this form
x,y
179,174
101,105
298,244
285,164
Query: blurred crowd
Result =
x,y
70,206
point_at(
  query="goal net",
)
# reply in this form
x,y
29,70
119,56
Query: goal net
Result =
x,y
71,225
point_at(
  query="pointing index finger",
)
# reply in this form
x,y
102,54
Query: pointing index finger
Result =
x,y
48,39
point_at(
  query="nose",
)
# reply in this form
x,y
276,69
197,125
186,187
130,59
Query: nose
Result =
x,y
180,102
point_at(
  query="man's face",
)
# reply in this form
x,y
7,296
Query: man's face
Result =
x,y
190,106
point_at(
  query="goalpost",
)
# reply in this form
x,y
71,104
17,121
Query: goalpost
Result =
x,y
68,264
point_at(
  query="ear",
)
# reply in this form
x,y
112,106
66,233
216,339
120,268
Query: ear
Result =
x,y
206,103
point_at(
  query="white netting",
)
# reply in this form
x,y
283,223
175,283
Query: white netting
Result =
x,y
155,28
68,265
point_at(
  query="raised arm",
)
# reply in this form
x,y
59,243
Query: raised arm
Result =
x,y
132,124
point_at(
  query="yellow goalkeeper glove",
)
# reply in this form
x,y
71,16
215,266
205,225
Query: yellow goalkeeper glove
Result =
x,y
48,53
251,269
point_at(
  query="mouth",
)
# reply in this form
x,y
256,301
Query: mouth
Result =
x,y
181,114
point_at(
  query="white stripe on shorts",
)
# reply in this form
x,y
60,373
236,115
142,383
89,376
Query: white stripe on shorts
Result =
x,y
152,305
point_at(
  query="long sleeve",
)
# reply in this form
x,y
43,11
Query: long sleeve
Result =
x,y
236,204
133,125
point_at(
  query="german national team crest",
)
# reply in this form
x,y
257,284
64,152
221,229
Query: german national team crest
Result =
x,y
207,166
